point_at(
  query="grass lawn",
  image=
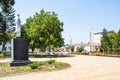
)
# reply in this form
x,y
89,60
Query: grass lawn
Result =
x,y
41,66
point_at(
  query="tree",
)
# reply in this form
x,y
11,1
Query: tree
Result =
x,y
43,30
118,41
106,45
6,4
110,42
2,22
25,32
113,40
7,21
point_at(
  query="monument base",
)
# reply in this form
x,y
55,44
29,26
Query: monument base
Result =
x,y
20,62
19,52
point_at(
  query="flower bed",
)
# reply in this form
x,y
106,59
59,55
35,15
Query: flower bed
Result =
x,y
1,55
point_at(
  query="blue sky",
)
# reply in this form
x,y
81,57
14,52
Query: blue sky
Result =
x,y
80,17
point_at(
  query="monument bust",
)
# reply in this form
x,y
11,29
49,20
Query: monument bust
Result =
x,y
18,26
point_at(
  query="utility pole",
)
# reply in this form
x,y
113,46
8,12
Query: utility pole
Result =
x,y
90,41
70,40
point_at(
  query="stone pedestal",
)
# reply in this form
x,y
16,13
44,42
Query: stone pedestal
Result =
x,y
19,52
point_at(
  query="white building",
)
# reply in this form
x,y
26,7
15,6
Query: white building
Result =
x,y
97,39
7,47
87,46
98,36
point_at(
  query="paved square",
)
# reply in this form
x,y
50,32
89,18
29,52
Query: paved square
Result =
x,y
83,68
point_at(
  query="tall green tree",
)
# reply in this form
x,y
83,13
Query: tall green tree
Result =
x,y
113,40
43,30
26,33
6,4
118,41
7,21
2,23
106,44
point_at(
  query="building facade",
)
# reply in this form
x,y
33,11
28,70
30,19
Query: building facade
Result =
x,y
7,47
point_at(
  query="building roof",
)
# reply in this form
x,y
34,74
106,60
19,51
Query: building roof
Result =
x,y
111,31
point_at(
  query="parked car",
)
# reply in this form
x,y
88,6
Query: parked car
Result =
x,y
85,52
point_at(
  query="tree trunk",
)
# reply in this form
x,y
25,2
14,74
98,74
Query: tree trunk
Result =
x,y
3,46
33,49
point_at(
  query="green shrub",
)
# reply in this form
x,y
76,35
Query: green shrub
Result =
x,y
51,61
34,65
81,49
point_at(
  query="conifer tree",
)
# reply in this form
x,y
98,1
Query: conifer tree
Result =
x,y
7,21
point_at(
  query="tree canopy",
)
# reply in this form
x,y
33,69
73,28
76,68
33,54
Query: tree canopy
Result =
x,y
6,21
110,42
6,4
43,30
